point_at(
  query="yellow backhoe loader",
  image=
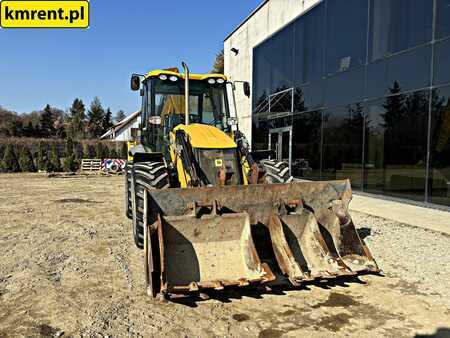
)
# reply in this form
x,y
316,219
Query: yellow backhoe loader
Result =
x,y
210,213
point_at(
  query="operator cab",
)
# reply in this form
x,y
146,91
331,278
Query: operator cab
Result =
x,y
163,104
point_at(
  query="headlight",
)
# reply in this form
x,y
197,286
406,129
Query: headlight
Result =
x,y
211,81
173,78
220,81
163,77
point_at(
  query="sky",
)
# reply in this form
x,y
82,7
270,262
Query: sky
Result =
x,y
53,66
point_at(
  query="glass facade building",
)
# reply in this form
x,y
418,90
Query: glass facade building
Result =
x,y
360,89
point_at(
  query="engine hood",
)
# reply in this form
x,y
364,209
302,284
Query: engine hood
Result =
x,y
204,136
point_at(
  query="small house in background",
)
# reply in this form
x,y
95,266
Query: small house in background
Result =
x,y
124,130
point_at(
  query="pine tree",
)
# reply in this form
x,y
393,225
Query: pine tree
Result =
x,y
218,66
113,154
394,106
47,128
77,151
54,163
96,115
124,151
10,162
68,149
120,115
69,163
42,156
77,118
107,121
100,151
28,130
88,151
26,160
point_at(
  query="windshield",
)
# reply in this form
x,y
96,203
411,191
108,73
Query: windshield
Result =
x,y
207,102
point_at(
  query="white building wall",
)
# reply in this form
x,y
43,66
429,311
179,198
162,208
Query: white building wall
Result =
x,y
270,18
124,134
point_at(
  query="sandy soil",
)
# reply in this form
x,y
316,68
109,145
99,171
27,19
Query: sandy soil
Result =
x,y
68,267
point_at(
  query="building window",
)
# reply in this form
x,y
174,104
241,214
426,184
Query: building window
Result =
x,y
396,145
306,145
308,97
261,76
273,62
308,54
442,63
260,134
410,70
342,144
439,183
343,88
280,57
443,19
397,25
346,35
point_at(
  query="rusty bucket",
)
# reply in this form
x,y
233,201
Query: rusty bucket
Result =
x,y
200,238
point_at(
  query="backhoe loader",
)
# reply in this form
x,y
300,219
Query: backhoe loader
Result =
x,y
210,214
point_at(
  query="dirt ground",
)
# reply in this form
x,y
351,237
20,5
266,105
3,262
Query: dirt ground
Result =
x,y
68,267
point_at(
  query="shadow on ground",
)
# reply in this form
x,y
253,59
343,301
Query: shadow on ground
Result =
x,y
258,292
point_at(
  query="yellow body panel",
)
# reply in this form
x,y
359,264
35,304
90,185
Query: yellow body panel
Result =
x,y
158,72
205,136
130,144
183,177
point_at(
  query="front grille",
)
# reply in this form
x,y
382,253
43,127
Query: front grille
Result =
x,y
212,160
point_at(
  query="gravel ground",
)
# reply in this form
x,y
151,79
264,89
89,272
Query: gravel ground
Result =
x,y
69,267
419,256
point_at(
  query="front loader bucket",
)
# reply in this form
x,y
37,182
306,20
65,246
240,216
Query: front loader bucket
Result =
x,y
199,238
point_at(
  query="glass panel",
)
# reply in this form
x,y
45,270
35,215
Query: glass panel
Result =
x,y
308,53
260,134
443,19
342,144
280,59
281,102
344,88
439,183
442,62
397,25
308,97
306,145
285,137
272,67
274,145
261,75
396,145
410,70
279,122
346,35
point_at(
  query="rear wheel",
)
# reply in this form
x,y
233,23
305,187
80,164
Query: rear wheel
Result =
x,y
276,172
145,175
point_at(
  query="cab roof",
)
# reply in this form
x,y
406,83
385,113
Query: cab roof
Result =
x,y
158,72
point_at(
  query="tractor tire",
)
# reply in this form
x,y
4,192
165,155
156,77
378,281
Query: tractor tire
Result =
x,y
145,175
276,172
128,200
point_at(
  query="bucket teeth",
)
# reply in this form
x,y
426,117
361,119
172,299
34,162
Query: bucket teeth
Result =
x,y
300,249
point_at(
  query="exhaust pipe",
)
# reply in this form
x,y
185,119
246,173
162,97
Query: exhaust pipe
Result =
x,y
186,92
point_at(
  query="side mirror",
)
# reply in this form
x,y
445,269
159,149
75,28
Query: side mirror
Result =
x,y
135,82
247,89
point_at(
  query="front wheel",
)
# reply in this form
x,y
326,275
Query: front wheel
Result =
x,y
145,175
276,172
